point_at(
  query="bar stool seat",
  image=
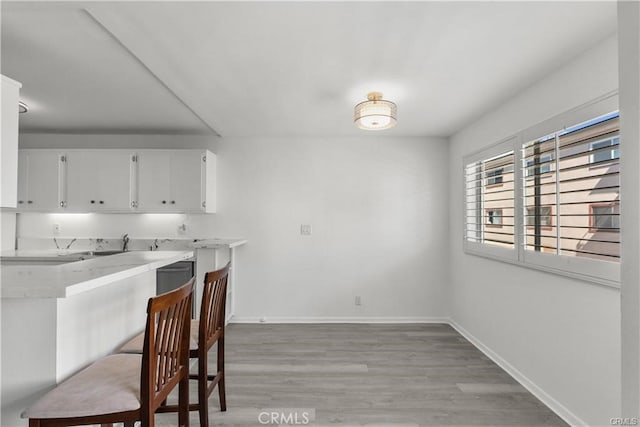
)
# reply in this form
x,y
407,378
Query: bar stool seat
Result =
x,y
110,385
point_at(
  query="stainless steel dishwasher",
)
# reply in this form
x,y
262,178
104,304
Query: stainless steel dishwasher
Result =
x,y
173,276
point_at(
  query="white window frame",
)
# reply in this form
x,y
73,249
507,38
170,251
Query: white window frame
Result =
x,y
478,248
587,269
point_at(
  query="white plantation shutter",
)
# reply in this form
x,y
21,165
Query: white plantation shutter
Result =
x,y
549,197
489,201
574,175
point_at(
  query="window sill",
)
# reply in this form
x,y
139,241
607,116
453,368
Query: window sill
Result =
x,y
544,263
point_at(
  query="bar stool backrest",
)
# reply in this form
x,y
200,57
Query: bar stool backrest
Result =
x,y
213,308
165,358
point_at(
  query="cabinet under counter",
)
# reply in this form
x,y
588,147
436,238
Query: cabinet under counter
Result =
x,y
57,319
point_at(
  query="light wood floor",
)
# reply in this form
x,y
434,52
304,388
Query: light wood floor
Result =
x,y
357,374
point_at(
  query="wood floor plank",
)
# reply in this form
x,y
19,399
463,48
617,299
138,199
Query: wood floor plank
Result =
x,y
367,375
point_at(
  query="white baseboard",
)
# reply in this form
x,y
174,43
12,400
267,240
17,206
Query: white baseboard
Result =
x,y
236,319
560,410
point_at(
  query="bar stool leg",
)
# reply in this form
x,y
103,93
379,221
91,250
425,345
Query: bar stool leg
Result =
x,y
220,369
203,401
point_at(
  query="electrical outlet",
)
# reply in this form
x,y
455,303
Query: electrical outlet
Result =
x,y
182,229
358,300
57,229
305,229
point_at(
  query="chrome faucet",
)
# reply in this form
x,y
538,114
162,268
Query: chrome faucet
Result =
x,y
156,244
125,243
70,243
67,247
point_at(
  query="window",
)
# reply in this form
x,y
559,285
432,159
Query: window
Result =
x,y
555,211
601,152
541,218
494,217
573,187
494,176
542,163
489,199
605,218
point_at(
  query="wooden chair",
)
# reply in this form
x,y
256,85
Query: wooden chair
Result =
x,y
205,332
128,387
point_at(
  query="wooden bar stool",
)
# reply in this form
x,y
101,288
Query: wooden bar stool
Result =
x,y
205,332
128,387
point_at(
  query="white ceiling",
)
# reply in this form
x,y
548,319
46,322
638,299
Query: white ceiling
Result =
x,y
283,68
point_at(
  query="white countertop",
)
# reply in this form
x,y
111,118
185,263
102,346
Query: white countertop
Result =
x,y
218,243
61,254
64,280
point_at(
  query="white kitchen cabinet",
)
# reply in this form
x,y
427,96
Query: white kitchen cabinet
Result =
x,y
41,186
76,180
99,180
10,91
175,181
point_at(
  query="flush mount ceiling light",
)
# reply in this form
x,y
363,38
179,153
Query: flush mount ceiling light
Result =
x,y
376,113
22,107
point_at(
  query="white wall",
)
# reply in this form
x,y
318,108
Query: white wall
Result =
x,y
559,334
378,207
378,210
629,72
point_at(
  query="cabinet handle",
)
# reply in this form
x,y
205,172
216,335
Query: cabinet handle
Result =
x,y
63,204
102,202
204,204
93,201
164,202
20,202
30,202
173,202
134,204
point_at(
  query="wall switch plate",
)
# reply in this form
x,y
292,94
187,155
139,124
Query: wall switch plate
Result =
x,y
182,228
305,229
358,300
57,229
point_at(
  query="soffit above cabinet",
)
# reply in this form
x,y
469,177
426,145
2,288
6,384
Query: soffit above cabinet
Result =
x,y
77,78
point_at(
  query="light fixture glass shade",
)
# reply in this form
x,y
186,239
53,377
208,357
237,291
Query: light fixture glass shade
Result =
x,y
375,114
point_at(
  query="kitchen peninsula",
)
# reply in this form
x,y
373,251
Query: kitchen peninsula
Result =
x,y
56,319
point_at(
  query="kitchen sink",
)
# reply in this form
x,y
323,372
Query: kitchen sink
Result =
x,y
102,253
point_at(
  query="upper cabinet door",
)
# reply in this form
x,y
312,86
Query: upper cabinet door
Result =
x,y
186,180
154,181
173,181
99,180
39,180
10,91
